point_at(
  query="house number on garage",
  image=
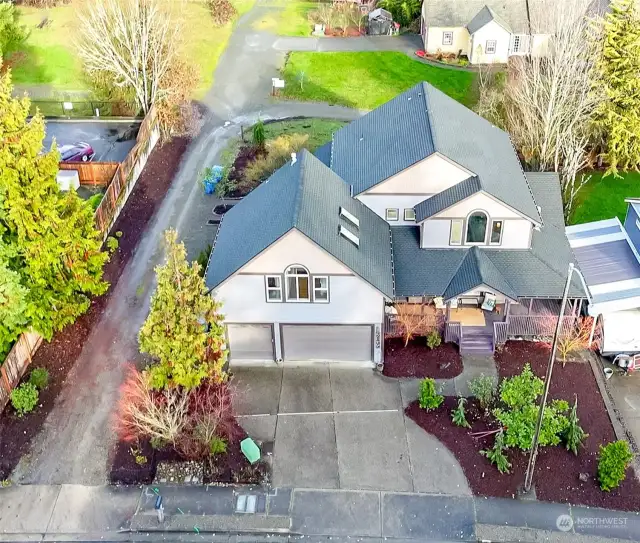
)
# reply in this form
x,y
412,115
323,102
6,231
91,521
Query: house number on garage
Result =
x,y
377,343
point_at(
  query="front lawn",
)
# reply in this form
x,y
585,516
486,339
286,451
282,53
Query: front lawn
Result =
x,y
292,20
49,57
320,131
603,197
367,80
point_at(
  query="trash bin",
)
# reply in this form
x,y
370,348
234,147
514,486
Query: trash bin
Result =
x,y
212,177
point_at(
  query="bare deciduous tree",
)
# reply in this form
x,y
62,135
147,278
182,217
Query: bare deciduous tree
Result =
x,y
135,42
549,99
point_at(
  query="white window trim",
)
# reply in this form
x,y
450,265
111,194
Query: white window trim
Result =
x,y
412,211
495,47
394,209
287,275
499,242
638,224
447,37
317,289
273,289
461,221
486,228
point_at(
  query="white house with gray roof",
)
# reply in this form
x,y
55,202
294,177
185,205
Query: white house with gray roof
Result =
x,y
421,201
486,31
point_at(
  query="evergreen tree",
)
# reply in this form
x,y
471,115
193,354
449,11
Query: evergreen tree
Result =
x,y
617,118
184,330
52,262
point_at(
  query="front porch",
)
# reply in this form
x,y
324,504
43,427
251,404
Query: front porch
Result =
x,y
479,331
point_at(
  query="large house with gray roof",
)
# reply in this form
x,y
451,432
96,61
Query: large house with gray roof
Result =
x,y
420,201
486,31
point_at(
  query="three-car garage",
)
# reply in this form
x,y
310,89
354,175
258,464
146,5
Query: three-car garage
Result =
x,y
294,343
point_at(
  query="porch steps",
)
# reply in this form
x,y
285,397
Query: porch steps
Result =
x,y
476,340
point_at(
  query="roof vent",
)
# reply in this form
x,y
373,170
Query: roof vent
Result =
x,y
293,158
349,235
349,217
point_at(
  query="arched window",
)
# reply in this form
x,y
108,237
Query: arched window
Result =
x,y
297,280
477,227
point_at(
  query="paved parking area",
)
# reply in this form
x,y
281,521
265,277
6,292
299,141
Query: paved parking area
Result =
x,y
343,428
111,141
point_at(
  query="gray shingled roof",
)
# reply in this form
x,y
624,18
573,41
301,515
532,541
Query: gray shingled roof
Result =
x,y
323,154
306,196
441,201
383,142
484,17
418,123
456,13
539,272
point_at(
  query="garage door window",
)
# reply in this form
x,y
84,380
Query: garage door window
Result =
x,y
321,289
297,284
274,288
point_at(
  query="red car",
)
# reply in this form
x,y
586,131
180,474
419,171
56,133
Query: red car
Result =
x,y
78,152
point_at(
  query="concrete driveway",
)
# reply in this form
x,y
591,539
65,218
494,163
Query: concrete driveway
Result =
x,y
111,140
343,428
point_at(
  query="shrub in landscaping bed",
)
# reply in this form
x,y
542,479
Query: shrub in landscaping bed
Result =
x,y
613,462
560,475
24,398
417,360
59,355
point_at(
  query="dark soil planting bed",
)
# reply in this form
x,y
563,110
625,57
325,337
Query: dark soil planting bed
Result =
x,y
231,467
417,360
61,353
557,475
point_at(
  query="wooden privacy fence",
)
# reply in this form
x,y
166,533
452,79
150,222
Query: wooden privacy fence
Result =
x,y
127,173
123,180
15,364
95,174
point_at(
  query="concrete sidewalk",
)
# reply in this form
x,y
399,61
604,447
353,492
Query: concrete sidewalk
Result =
x,y
81,513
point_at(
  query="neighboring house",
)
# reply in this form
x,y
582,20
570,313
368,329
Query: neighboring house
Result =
x,y
608,254
422,201
486,31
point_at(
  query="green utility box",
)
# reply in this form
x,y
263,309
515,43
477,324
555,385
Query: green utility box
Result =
x,y
250,450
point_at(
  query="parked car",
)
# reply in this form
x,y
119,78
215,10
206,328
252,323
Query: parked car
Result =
x,y
77,152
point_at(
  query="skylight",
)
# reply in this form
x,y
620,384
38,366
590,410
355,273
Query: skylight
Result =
x,y
349,217
349,235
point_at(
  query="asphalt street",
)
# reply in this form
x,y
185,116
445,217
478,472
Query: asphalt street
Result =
x,y
110,140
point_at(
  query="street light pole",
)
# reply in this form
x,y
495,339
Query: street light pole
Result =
x,y
534,449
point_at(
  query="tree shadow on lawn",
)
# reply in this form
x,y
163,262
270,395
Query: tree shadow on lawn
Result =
x,y
313,92
26,69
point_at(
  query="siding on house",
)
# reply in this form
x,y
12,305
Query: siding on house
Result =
x,y
380,202
429,176
434,39
632,224
478,202
516,234
435,234
351,299
491,31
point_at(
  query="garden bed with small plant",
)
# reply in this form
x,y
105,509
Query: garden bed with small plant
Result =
x,y
417,359
490,434
268,146
176,415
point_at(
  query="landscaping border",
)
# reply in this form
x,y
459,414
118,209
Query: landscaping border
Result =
x,y
122,183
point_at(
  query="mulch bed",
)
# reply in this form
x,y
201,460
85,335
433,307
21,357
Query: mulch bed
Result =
x,y
246,154
61,353
557,470
417,360
231,467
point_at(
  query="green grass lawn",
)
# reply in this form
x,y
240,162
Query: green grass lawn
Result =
x,y
49,57
293,20
367,80
603,197
320,131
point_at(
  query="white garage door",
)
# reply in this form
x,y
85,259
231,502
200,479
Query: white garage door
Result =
x,y
250,341
327,343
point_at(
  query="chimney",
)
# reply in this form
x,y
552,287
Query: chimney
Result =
x,y
293,158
